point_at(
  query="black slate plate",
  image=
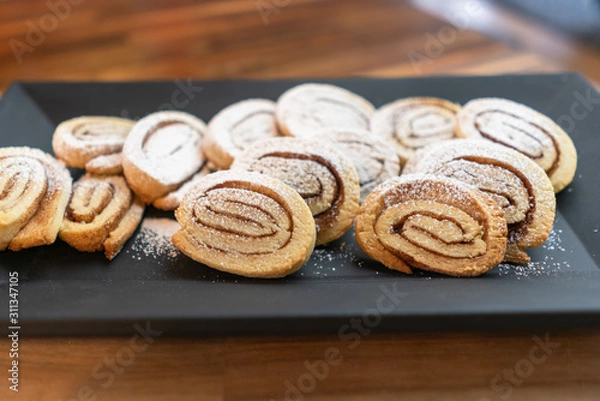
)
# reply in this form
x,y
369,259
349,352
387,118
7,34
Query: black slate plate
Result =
x,y
64,292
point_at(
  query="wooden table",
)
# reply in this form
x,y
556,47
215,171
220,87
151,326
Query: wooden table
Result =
x,y
435,366
115,40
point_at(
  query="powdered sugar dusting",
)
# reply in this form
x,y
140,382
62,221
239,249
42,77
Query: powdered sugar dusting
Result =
x,y
548,266
422,186
154,240
375,161
241,124
307,109
105,164
324,259
166,145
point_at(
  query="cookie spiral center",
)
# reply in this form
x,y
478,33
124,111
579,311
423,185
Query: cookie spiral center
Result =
x,y
241,221
22,183
312,179
416,127
89,200
439,228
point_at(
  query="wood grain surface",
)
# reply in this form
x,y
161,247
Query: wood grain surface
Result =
x,y
154,39
151,39
435,366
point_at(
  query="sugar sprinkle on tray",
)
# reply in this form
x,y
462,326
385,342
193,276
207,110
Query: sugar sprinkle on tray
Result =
x,y
154,239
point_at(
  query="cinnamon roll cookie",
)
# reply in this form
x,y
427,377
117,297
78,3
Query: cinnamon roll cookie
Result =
x,y
93,143
514,181
521,128
324,177
245,223
373,159
236,127
432,223
162,152
34,191
102,215
412,123
307,109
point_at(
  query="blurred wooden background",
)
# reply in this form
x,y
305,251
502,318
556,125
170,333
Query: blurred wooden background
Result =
x,y
154,39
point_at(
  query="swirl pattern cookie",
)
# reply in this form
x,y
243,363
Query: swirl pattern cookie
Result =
x,y
34,191
412,123
93,143
326,180
236,127
102,215
521,128
511,179
305,110
162,152
373,159
433,223
245,223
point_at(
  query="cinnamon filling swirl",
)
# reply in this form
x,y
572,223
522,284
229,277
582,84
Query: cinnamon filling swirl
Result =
x,y
372,158
523,129
319,184
34,190
523,136
22,187
238,126
441,229
245,223
418,127
323,177
82,140
162,152
256,223
433,223
89,200
412,123
101,215
513,181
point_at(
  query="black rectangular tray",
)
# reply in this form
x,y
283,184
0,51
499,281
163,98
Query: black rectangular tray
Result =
x,y
65,292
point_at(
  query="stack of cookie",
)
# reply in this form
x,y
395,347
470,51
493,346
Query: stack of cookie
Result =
x,y
512,154
298,170
477,187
